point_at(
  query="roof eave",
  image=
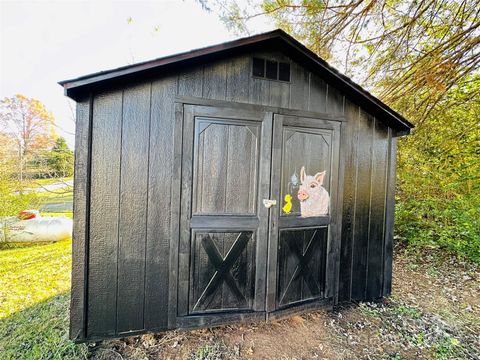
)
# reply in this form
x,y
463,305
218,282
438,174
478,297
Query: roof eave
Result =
x,y
171,59
78,88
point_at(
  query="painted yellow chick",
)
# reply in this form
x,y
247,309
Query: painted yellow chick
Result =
x,y
287,208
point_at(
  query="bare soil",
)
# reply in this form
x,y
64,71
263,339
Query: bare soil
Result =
x,y
434,313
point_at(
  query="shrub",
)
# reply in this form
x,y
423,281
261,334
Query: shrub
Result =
x,y
452,225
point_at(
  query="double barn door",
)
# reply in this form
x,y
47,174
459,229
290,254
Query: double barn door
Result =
x,y
257,214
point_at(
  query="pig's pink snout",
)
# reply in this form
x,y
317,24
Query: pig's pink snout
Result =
x,y
302,195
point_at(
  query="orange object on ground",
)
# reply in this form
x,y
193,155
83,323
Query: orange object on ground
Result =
x,y
27,215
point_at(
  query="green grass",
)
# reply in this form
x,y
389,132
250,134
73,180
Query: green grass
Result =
x,y
40,332
211,351
32,274
405,310
49,181
61,195
68,214
34,286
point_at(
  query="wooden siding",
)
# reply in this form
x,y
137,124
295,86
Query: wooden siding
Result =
x,y
368,207
132,187
80,229
159,199
104,214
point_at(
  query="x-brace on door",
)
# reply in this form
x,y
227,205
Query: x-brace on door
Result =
x,y
258,214
304,230
223,223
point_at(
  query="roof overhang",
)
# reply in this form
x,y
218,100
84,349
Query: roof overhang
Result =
x,y
81,87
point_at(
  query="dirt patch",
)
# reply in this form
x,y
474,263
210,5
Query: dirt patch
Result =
x,y
444,285
433,314
306,336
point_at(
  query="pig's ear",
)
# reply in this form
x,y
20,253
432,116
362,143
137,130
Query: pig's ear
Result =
x,y
320,176
302,174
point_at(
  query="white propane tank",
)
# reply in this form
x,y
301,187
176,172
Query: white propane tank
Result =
x,y
36,229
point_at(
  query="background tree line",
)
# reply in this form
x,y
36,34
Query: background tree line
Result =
x,y
29,149
422,59
28,138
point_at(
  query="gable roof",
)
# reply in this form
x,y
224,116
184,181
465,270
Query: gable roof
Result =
x,y
277,39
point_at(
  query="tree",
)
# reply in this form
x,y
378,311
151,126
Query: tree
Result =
x,y
422,58
13,198
29,124
7,147
397,48
60,159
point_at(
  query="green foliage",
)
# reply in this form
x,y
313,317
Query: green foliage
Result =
x,y
405,310
438,192
404,50
213,350
448,348
26,130
206,352
60,159
421,58
452,224
13,198
369,311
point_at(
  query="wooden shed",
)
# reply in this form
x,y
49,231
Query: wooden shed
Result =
x,y
247,180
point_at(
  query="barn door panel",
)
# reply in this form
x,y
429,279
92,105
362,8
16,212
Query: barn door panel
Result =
x,y
222,272
305,166
301,268
223,229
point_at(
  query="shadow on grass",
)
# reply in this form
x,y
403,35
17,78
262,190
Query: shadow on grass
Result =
x,y
40,332
4,245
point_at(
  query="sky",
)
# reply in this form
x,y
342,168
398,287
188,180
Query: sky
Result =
x,y
43,42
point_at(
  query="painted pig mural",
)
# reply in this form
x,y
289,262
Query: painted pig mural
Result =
x,y
314,199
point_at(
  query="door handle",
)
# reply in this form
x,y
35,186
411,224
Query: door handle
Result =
x,y
269,203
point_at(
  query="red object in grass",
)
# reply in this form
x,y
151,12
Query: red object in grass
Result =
x,y
27,215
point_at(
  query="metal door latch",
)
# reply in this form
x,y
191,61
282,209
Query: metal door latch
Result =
x,y
269,203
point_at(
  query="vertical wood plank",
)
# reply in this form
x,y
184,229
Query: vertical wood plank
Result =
x,y
318,94
175,215
335,229
389,216
259,92
377,212
241,171
104,201
190,82
238,78
133,208
362,207
299,87
279,94
338,220
273,245
349,156
184,247
213,174
160,182
335,101
261,252
215,81
81,208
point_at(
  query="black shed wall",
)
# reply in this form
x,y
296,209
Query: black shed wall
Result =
x,y
124,185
